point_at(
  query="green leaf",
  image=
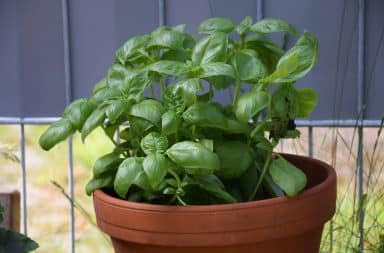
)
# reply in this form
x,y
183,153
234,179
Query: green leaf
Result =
x,y
105,180
106,163
208,143
251,103
170,123
244,25
14,242
130,172
267,50
115,109
130,48
194,157
136,85
285,102
139,127
211,186
210,49
307,101
148,109
216,24
306,52
188,89
77,112
235,158
217,69
99,85
205,115
179,55
56,133
287,176
106,93
155,167
248,66
94,120
154,143
172,100
284,69
172,68
271,25
167,39
117,75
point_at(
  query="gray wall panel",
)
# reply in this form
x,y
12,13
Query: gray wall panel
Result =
x,y
98,31
41,58
31,46
9,60
337,95
375,56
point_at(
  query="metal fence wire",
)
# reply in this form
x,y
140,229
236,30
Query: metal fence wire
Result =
x,y
359,123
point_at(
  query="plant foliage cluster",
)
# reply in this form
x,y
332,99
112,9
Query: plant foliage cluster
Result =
x,y
182,147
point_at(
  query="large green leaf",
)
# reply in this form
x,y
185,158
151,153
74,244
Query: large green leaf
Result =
x,y
194,157
216,69
248,66
116,108
216,24
106,93
154,142
167,39
244,26
77,112
205,115
105,180
124,53
287,176
251,103
210,49
148,109
170,123
297,61
93,121
271,25
210,184
13,242
267,50
106,163
99,85
307,101
136,85
130,172
155,167
235,158
173,68
116,76
56,133
188,89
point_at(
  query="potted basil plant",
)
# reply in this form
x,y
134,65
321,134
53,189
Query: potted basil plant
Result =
x,y
188,174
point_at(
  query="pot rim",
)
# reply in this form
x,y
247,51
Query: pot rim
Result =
x,y
327,182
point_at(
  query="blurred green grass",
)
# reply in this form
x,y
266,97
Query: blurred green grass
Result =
x,y
48,208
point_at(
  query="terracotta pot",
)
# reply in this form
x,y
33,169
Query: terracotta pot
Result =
x,y
278,225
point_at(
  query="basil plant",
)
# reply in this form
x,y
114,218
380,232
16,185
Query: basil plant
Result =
x,y
180,147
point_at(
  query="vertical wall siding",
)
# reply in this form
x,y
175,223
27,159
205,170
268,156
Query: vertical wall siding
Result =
x,y
31,66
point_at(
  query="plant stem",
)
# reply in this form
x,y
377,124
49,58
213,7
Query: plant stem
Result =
x,y
264,170
174,174
258,127
181,201
237,91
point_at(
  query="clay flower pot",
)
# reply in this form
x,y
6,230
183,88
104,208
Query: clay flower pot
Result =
x,y
277,225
